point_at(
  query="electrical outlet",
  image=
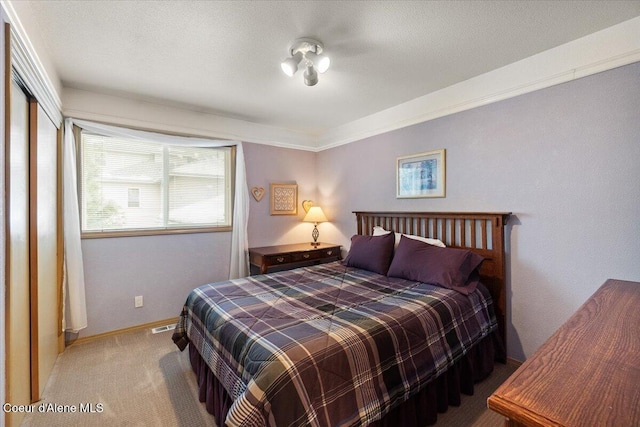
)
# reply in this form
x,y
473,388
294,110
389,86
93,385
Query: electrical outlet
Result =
x,y
138,301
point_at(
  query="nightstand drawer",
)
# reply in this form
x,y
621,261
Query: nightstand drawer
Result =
x,y
305,256
331,252
277,259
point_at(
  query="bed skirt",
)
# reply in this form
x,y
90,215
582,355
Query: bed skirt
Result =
x,y
419,411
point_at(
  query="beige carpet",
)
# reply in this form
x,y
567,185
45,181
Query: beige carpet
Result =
x,y
141,379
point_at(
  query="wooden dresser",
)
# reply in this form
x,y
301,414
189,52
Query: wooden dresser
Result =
x,y
587,373
269,259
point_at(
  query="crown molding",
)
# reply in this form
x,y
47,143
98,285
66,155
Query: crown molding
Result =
x,y
147,115
27,64
601,51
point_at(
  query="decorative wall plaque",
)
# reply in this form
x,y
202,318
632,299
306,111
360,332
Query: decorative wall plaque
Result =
x,y
284,199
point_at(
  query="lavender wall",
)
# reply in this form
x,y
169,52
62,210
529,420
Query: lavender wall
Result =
x,y
163,269
266,165
564,160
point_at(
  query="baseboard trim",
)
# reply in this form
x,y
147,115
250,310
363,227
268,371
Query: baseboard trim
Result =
x,y
122,331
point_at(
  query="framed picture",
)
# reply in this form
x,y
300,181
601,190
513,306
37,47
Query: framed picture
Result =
x,y
421,175
284,199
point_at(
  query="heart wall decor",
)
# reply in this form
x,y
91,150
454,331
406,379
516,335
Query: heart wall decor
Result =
x,y
257,193
306,205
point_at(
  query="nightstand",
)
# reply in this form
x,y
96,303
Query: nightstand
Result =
x,y
269,259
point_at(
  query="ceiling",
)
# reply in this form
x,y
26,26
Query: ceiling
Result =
x,y
223,57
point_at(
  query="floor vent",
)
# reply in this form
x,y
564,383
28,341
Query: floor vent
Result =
x,y
164,328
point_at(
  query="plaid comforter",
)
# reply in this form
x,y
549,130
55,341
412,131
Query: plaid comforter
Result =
x,y
328,345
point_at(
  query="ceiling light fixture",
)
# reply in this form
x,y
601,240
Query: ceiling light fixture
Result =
x,y
308,52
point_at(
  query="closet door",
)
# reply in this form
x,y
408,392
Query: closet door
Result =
x,y
33,309
17,246
44,154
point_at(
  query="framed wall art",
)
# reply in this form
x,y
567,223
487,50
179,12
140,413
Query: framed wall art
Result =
x,y
284,199
421,175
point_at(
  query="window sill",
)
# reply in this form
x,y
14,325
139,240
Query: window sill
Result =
x,y
151,232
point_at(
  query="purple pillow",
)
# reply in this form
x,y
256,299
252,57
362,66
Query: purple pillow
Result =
x,y
371,253
446,267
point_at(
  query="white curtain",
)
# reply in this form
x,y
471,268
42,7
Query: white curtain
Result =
x,y
75,310
77,318
239,237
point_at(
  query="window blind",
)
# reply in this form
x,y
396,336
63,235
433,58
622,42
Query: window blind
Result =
x,y
132,185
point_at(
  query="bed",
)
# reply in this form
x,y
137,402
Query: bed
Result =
x,y
356,342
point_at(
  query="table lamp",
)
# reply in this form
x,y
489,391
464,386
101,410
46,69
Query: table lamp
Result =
x,y
316,216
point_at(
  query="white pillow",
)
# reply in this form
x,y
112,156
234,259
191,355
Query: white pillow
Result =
x,y
379,231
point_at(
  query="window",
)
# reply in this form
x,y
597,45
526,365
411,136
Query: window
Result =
x,y
133,187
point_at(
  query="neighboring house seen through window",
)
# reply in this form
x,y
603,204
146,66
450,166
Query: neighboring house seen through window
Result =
x,y
130,187
134,198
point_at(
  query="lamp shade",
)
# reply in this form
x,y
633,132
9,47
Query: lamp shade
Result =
x,y
315,215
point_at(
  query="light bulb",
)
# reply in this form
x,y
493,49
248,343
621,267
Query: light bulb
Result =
x,y
290,65
320,62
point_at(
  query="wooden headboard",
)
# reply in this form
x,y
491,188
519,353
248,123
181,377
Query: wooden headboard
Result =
x,y
481,232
